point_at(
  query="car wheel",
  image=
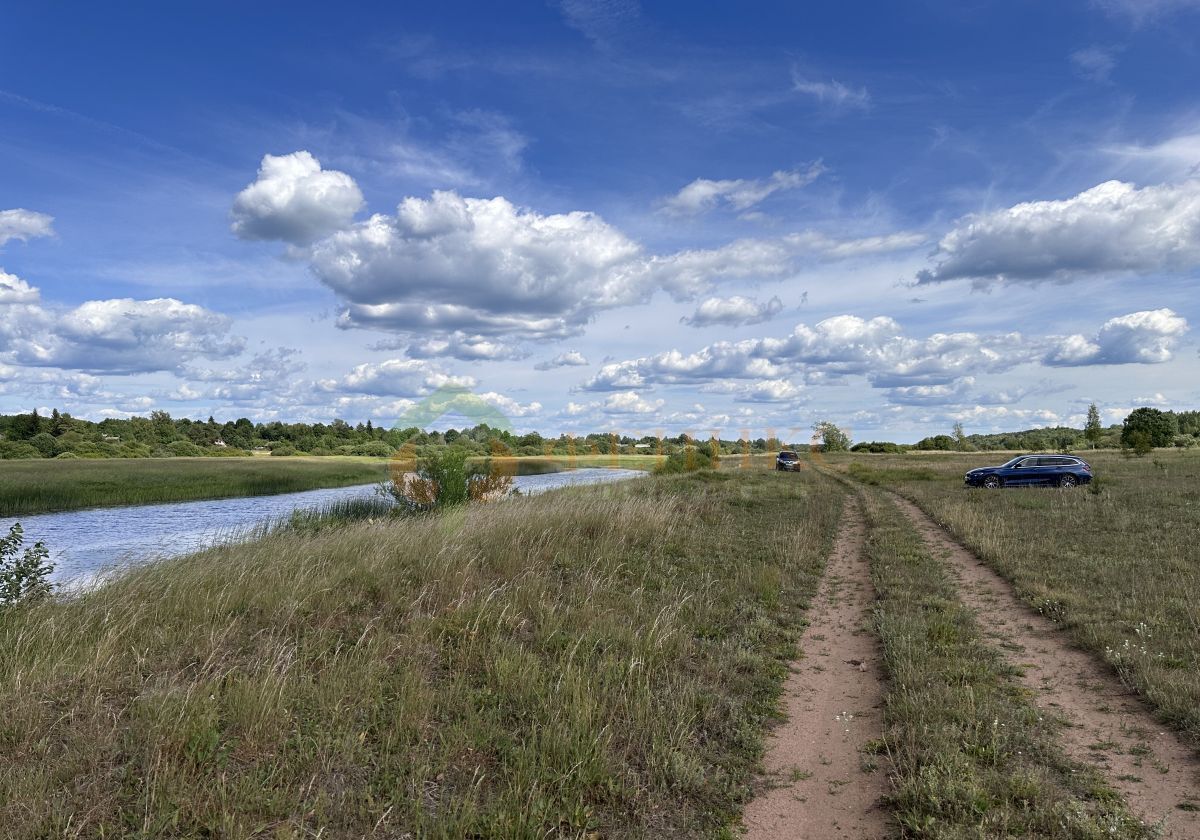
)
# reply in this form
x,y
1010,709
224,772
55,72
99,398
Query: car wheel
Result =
x,y
992,482
1067,481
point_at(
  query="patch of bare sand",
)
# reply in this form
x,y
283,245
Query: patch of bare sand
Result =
x,y
833,700
1108,726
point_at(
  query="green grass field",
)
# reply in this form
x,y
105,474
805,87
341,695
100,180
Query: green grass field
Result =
x,y
600,659
48,485
1119,568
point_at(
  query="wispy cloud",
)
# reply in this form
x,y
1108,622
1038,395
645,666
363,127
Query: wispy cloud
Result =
x,y
832,92
1143,11
704,194
1094,63
600,21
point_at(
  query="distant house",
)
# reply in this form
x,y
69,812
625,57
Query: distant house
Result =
x,y
110,438
643,445
219,442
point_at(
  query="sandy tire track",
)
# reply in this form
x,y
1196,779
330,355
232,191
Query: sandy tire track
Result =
x,y
833,699
1108,726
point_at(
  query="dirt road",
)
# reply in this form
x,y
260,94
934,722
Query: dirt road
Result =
x,y
825,786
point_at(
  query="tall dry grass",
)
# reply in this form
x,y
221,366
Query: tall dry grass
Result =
x,y
598,659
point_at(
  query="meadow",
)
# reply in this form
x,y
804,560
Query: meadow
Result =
x,y
38,486
1116,565
598,661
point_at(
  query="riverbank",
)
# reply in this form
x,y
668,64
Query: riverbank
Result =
x,y
601,659
32,487
29,487
93,542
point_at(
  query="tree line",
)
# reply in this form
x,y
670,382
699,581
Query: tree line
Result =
x,y
59,435
1143,429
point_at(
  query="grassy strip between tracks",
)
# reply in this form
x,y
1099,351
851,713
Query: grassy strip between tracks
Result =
x,y
972,756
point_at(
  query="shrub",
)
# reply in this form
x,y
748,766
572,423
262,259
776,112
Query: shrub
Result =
x,y
184,449
18,449
374,449
223,452
1139,441
45,443
283,449
24,575
64,456
877,447
443,478
689,460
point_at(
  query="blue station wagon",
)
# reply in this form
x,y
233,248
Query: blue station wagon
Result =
x,y
1031,470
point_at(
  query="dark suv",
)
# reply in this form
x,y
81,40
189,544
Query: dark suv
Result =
x,y
1029,470
787,460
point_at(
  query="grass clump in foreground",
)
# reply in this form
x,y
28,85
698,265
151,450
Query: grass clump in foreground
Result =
x,y
28,487
596,659
1118,569
972,756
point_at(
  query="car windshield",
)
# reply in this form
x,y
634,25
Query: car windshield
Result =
x,y
1015,461
787,456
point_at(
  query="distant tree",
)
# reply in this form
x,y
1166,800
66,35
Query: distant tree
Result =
x,y
960,439
832,438
164,426
1158,427
1093,429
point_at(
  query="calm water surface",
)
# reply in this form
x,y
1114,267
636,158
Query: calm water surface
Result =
x,y
84,542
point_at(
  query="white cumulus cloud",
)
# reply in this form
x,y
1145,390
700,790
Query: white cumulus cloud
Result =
x,y
572,358
24,225
295,200
470,348
1137,338
1112,227
117,336
15,290
733,311
395,378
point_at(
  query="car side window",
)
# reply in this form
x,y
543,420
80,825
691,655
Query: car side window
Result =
x,y
1028,462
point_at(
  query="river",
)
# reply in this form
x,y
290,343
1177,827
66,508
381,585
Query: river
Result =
x,y
85,542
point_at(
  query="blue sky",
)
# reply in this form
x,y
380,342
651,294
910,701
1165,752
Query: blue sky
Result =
x,y
605,215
